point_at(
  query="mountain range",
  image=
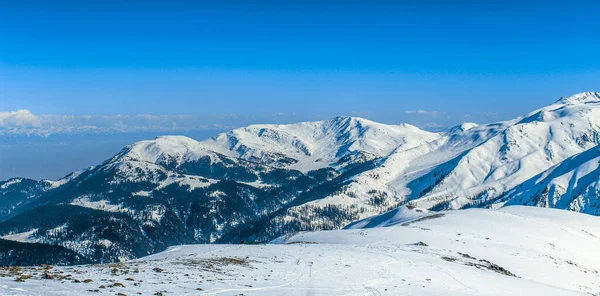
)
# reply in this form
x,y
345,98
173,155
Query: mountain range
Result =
x,y
257,183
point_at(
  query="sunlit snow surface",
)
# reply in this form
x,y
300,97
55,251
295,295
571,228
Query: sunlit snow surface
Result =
x,y
511,251
465,166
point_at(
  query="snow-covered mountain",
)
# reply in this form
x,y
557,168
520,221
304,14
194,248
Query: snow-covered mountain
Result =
x,y
314,145
474,165
236,186
305,147
573,184
262,181
511,251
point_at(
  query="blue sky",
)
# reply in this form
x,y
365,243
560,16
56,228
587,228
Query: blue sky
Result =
x,y
211,65
306,57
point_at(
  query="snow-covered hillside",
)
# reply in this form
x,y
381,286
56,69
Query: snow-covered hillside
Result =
x,y
473,165
511,251
315,145
574,184
305,147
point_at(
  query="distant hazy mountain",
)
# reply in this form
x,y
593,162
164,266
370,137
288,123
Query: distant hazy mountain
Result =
x,y
262,181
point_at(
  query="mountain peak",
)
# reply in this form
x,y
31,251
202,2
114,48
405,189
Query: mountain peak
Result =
x,y
175,139
359,122
342,120
163,147
465,126
580,98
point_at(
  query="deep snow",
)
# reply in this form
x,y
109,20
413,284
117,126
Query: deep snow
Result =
x,y
511,251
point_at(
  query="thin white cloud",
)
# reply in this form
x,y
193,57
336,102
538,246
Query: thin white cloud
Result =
x,y
24,122
421,112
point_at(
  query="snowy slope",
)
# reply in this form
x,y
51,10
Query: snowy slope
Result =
x,y
574,184
397,216
512,251
314,145
471,164
167,150
303,146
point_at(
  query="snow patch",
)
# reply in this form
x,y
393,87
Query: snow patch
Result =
x,y
10,183
102,205
23,237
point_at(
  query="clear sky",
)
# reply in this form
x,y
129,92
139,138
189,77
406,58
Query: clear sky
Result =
x,y
229,63
326,57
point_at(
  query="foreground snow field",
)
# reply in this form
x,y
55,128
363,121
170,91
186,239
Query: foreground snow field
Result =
x,y
511,251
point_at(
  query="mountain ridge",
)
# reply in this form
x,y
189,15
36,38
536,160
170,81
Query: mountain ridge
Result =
x,y
259,182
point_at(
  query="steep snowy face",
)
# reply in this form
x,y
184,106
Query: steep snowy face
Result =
x,y
580,98
312,145
574,184
520,149
474,165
